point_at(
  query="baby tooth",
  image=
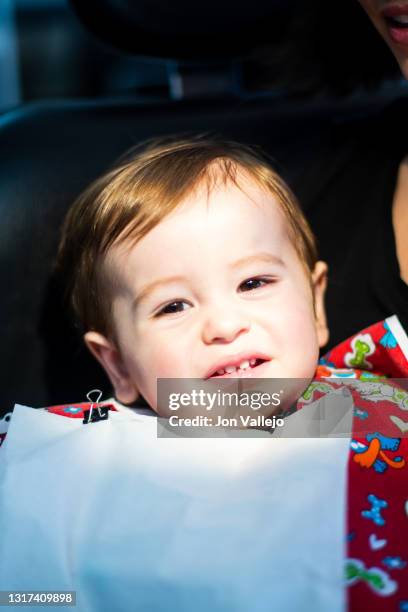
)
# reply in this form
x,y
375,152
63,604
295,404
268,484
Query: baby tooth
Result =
x,y
244,365
252,362
221,372
230,369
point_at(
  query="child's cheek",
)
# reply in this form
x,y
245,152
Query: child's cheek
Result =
x,y
301,341
167,362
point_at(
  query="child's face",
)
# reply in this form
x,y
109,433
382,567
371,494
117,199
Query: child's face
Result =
x,y
216,283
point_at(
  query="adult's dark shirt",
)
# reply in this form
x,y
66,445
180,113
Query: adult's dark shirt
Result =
x,y
347,193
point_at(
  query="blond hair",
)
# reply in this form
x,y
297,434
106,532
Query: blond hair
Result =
x,y
139,192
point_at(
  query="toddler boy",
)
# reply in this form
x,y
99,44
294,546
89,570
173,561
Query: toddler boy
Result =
x,y
192,260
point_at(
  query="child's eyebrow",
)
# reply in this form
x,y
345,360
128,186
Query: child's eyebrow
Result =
x,y
264,256
150,287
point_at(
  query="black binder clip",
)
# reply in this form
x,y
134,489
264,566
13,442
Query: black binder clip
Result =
x,y
95,413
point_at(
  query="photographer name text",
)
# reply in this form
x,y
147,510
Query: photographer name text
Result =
x,y
234,422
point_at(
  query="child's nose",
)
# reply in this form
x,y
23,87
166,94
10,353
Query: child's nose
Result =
x,y
222,327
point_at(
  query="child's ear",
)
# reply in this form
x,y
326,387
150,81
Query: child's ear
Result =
x,y
110,359
319,281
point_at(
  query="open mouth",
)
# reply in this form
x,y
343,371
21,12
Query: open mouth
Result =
x,y
398,22
396,19
244,369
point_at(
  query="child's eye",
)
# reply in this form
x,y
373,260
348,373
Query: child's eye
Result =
x,y
255,283
171,308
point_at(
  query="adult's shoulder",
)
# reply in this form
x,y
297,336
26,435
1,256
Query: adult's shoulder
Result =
x,y
353,150
396,108
371,129
394,126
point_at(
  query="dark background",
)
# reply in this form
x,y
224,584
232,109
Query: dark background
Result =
x,y
278,48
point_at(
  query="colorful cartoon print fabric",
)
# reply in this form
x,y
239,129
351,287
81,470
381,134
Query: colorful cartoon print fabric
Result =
x,y
376,567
